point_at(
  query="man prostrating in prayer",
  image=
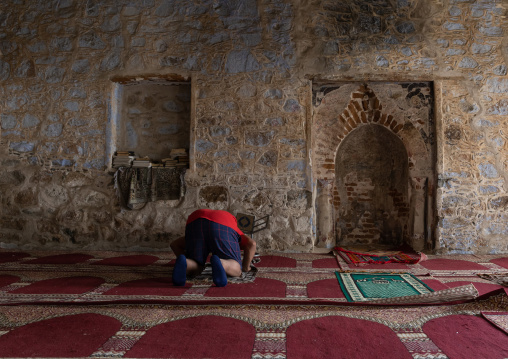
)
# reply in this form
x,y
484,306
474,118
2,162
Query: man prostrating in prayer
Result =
x,y
212,231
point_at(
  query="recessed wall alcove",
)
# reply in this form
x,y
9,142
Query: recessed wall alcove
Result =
x,y
371,172
373,163
150,115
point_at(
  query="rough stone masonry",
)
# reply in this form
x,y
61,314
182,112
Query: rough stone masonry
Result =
x,y
267,119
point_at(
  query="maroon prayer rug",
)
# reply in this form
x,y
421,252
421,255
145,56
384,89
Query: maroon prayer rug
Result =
x,y
253,331
404,255
95,278
109,304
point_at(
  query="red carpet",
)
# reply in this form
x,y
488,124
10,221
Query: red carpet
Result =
x,y
73,258
435,284
252,331
261,287
134,261
217,337
6,257
66,285
5,280
70,336
325,288
451,264
498,319
483,288
383,267
466,336
145,277
124,305
343,338
151,286
502,262
276,261
325,263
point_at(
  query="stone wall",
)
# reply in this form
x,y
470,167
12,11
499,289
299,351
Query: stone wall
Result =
x,y
252,65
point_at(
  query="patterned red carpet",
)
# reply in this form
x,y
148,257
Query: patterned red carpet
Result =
x,y
110,304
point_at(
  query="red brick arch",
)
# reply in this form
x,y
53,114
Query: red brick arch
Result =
x,y
363,108
339,110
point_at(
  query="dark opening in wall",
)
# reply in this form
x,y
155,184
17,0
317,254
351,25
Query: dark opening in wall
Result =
x,y
150,116
372,180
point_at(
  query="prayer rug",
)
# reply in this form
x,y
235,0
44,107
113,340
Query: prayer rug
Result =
x,y
451,295
362,287
501,278
461,335
358,257
97,278
499,319
256,331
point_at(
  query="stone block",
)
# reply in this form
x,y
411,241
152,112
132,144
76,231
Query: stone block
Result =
x,y
297,165
500,70
91,40
214,197
231,140
488,170
12,223
453,26
497,85
488,190
229,167
25,69
406,27
468,63
219,131
273,94
292,106
8,121
269,159
75,179
54,196
259,139
381,61
276,121
53,130
110,62
111,24
239,61
494,31
165,9
81,66
500,108
298,199
22,146
7,239
30,121
204,146
499,203
247,90
54,74
61,44
480,48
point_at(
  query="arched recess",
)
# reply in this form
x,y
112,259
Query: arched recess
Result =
x,y
371,172
405,110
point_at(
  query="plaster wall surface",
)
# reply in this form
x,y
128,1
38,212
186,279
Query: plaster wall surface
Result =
x,y
251,65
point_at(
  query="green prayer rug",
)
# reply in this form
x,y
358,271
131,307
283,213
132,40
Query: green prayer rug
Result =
x,y
362,287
